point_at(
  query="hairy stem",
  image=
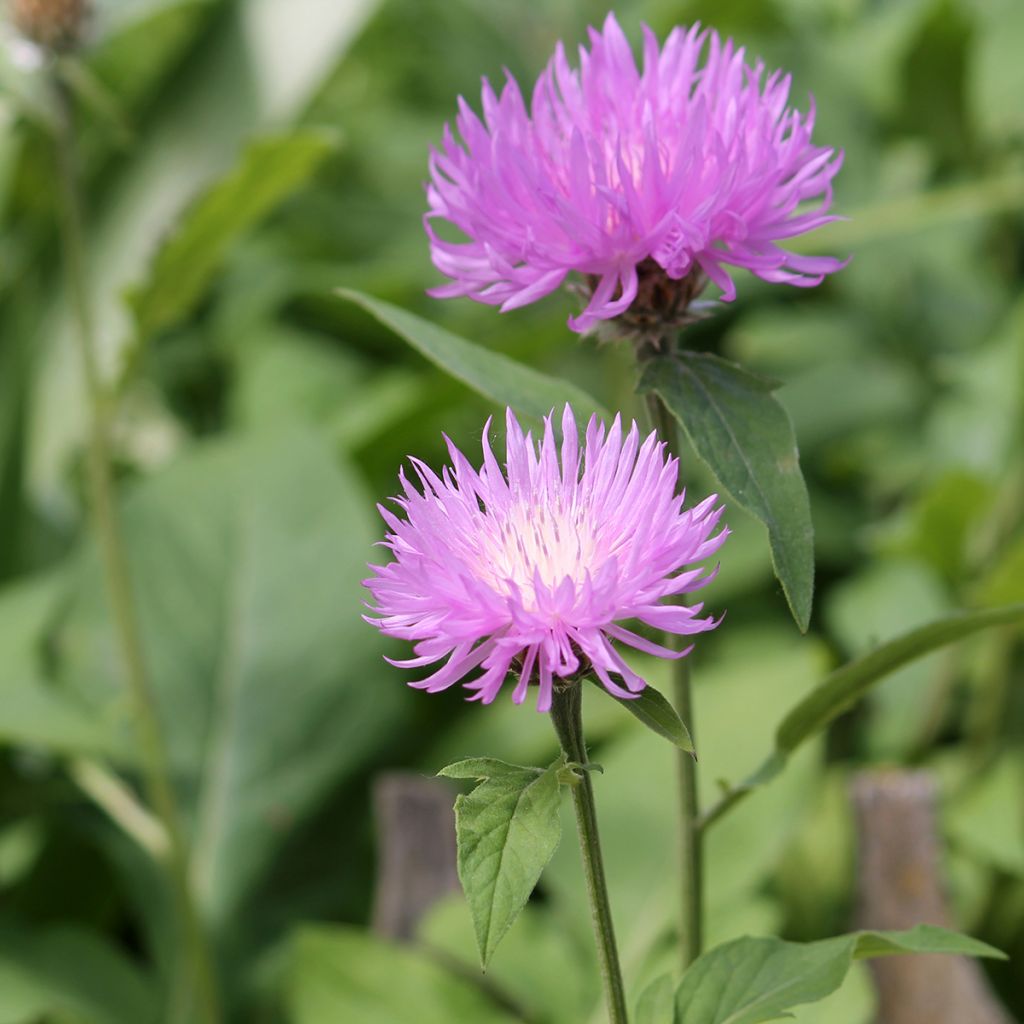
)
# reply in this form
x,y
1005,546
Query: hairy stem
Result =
x,y
691,909
155,764
567,716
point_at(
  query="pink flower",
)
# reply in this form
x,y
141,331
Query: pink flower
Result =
x,y
694,164
533,571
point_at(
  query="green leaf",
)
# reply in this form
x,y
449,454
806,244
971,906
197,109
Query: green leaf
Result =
x,y
848,684
268,171
491,374
750,980
40,712
344,974
70,973
246,558
654,710
542,968
844,687
740,430
483,768
995,70
507,830
656,1003
255,72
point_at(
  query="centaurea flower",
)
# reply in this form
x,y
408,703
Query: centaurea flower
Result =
x,y
538,570
635,179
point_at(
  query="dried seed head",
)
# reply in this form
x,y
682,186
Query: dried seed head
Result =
x,y
55,25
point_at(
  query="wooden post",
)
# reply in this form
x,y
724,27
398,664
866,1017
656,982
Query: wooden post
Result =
x,y
899,885
416,863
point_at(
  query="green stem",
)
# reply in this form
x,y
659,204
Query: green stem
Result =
x,y
567,716
691,908
155,763
691,853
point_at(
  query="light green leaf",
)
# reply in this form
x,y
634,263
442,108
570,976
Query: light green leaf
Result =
x,y
247,558
848,684
656,1003
491,374
39,711
69,971
750,980
744,435
483,768
268,171
655,711
542,968
507,829
995,70
344,974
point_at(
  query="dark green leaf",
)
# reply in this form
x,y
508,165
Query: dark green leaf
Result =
x,y
655,711
344,974
507,829
491,374
740,430
749,981
68,973
267,172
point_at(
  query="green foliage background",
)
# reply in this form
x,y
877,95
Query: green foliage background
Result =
x,y
243,160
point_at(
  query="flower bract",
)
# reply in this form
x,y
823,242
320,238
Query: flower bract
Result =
x,y
693,163
542,569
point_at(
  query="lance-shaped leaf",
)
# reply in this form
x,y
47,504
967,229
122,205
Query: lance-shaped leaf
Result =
x,y
653,709
749,980
844,687
507,830
740,430
490,374
849,683
270,170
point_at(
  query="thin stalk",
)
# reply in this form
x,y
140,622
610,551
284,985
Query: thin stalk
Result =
x,y
155,763
691,847
567,716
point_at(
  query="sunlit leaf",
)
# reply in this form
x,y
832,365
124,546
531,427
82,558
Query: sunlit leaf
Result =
x,y
507,829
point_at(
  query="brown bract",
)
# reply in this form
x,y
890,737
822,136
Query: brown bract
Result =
x,y
661,309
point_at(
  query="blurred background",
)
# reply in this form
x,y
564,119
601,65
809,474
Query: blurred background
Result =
x,y
240,161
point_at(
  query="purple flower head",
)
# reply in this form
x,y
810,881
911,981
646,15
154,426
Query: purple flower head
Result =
x,y
533,570
689,166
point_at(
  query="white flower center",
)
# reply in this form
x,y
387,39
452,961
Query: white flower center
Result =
x,y
551,542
